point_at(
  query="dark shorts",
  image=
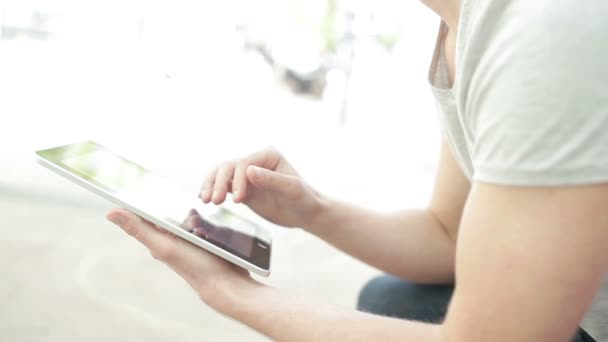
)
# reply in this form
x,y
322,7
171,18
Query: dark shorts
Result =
x,y
390,296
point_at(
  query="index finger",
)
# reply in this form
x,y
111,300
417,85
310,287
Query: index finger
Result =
x,y
207,187
239,182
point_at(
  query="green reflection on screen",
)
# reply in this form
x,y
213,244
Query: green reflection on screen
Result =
x,y
95,163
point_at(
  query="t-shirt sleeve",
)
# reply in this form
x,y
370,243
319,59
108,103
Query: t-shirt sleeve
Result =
x,y
537,100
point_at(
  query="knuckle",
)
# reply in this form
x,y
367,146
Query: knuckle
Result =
x,y
220,186
164,252
227,165
132,229
273,151
206,287
296,188
210,178
242,164
224,171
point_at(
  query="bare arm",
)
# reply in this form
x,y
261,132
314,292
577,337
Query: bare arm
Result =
x,y
418,245
529,263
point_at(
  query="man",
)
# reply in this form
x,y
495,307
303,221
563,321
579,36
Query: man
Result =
x,y
519,215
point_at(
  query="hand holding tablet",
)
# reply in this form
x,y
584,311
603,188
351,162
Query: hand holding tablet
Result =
x,y
213,228
219,283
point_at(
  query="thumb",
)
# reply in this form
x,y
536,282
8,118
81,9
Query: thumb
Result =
x,y
274,181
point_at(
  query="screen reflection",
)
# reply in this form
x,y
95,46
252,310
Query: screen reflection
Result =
x,y
224,236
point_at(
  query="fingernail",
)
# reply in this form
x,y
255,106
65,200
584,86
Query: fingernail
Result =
x,y
215,195
117,220
204,193
235,194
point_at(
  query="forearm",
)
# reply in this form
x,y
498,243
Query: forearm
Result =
x,y
411,244
283,318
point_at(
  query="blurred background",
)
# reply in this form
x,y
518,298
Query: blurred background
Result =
x,y
339,87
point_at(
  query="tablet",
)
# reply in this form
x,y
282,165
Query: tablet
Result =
x,y
217,229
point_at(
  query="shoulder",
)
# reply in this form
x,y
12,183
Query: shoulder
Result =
x,y
522,25
525,48
533,25
538,13
532,76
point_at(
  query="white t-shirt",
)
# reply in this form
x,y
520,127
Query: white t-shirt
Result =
x,y
529,104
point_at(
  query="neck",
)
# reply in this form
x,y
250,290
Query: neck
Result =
x,y
448,10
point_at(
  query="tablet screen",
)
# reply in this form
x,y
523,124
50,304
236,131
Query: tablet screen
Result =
x,y
148,192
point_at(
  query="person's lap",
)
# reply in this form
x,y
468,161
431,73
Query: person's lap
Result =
x,y
391,296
